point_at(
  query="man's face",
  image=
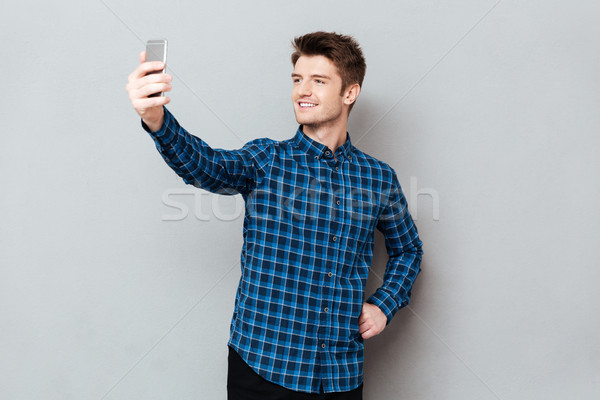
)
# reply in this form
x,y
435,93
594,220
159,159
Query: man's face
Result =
x,y
317,92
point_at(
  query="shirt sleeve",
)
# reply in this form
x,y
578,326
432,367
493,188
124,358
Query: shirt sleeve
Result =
x,y
405,252
219,171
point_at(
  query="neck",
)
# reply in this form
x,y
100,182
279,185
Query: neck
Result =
x,y
331,135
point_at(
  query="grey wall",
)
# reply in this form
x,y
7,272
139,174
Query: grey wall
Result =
x,y
488,111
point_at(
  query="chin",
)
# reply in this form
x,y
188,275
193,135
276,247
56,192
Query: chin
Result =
x,y
303,120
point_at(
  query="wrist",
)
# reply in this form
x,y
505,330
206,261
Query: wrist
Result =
x,y
153,125
155,121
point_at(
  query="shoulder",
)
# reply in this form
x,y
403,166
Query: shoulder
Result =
x,y
261,142
375,167
272,146
259,147
384,179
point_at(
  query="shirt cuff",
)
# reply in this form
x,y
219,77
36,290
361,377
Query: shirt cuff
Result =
x,y
385,302
165,134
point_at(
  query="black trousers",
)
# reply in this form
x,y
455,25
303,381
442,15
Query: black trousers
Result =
x,y
245,384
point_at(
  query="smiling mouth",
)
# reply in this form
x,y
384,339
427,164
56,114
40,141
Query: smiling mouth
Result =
x,y
306,105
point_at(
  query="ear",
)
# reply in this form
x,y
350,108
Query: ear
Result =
x,y
351,93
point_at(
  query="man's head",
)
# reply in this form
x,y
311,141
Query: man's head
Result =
x,y
326,51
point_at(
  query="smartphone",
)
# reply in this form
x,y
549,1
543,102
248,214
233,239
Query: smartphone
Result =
x,y
156,50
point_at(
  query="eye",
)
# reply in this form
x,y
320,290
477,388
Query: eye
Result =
x,y
319,81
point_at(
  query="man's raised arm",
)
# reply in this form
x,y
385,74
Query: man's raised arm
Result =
x,y
216,170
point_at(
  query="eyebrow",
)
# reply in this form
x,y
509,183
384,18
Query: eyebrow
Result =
x,y
294,75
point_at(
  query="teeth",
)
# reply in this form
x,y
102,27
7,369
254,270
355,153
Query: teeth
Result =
x,y
307,105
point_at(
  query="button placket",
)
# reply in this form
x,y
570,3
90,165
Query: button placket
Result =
x,y
336,223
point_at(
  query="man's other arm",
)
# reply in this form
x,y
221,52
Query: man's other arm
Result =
x,y
405,252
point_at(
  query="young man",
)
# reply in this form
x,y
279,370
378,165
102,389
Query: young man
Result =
x,y
313,202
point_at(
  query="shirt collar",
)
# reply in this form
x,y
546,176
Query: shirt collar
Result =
x,y
309,145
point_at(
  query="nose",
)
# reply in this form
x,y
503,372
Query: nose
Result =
x,y
304,89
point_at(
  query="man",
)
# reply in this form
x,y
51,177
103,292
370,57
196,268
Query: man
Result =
x,y
313,203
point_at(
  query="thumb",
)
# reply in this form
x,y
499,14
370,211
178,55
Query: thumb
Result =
x,y
143,56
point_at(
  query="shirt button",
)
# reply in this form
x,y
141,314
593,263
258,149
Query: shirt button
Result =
x,y
327,152
336,168
326,309
337,202
316,157
334,238
323,345
330,274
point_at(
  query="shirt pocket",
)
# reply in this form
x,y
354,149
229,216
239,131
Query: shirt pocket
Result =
x,y
361,217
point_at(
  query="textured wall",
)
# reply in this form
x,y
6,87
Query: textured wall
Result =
x,y
486,109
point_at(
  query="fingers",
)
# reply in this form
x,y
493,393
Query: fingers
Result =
x,y
146,90
149,79
151,88
146,79
146,67
364,315
367,324
364,323
137,83
368,334
149,102
363,320
366,328
142,87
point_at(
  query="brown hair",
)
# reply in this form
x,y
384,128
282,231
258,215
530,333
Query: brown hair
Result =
x,y
343,50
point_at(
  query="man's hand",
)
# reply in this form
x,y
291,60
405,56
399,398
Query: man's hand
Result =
x,y
372,321
140,85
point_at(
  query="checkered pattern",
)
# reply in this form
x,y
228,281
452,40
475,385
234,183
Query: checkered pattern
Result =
x,y
308,245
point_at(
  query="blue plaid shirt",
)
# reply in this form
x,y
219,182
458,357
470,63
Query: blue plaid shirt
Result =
x,y
308,245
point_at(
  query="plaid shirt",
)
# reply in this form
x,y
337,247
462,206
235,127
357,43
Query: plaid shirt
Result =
x,y
308,245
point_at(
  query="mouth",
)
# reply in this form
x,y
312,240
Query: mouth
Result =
x,y
306,104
